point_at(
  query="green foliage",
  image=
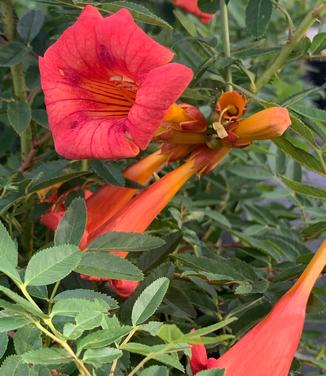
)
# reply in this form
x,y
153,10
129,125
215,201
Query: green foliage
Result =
x,y
124,241
52,264
258,14
149,300
19,115
108,266
72,226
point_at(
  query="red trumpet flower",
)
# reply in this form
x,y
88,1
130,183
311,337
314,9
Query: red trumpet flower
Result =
x,y
107,86
269,348
191,6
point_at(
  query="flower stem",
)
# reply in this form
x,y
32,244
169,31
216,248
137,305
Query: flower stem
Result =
x,y
54,334
226,42
127,339
17,74
316,12
79,364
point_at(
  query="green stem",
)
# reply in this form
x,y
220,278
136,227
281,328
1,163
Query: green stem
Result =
x,y
226,41
17,74
84,165
306,23
127,339
79,364
54,334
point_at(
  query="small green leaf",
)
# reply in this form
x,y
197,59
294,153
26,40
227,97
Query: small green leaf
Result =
x,y
258,14
52,264
73,306
12,53
149,300
3,344
109,172
103,337
310,112
305,189
211,372
170,332
25,304
27,338
247,172
151,351
47,356
219,218
14,366
186,22
314,230
139,12
11,322
19,115
72,226
30,24
300,155
318,43
8,255
108,266
125,241
101,356
155,371
88,295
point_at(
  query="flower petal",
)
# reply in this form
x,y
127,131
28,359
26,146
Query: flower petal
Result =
x,y
161,88
125,47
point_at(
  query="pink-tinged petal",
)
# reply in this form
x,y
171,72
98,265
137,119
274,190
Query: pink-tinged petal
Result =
x,y
51,219
91,77
161,87
198,360
212,363
126,48
122,287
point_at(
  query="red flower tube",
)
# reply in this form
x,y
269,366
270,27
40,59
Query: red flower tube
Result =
x,y
107,86
269,348
139,213
191,6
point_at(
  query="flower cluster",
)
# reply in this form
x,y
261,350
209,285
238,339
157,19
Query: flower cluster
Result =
x,y
110,90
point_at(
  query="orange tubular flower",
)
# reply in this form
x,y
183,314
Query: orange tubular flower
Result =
x,y
263,125
269,348
231,105
139,213
108,200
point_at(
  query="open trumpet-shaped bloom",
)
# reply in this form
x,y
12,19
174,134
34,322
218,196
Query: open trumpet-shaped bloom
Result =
x,y
269,348
191,6
107,86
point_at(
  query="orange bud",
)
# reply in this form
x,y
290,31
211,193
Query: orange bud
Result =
x,y
231,105
269,123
